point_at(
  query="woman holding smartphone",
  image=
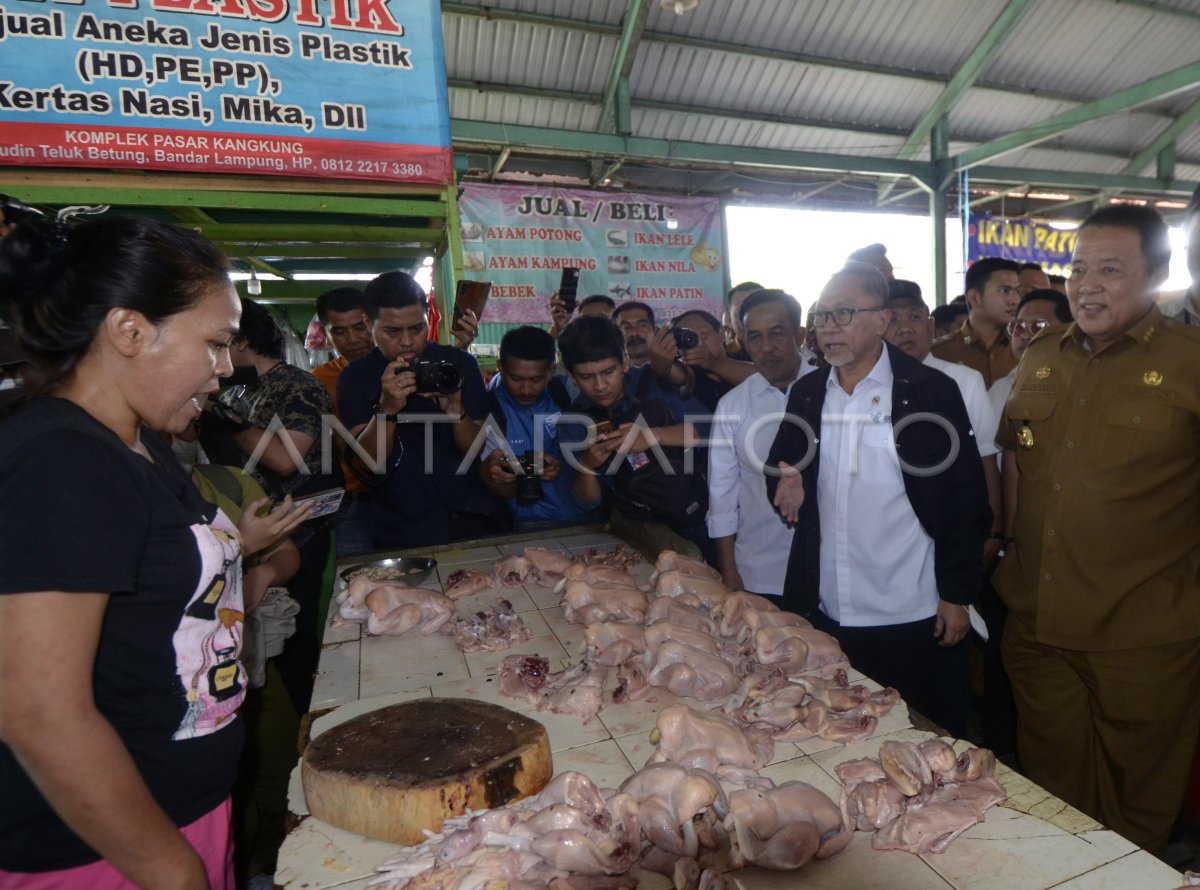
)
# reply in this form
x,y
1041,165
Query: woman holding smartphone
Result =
x,y
120,587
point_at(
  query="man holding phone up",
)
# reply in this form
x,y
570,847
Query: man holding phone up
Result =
x,y
390,397
525,467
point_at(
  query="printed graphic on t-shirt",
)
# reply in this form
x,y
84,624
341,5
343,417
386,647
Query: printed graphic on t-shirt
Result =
x,y
208,639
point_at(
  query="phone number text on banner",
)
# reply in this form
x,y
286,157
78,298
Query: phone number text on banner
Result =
x,y
660,250
348,89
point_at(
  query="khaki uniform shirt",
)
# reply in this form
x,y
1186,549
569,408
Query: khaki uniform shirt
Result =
x,y
1107,532
965,347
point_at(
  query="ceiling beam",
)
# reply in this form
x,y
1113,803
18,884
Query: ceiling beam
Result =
x,y
675,107
538,139
964,78
1164,85
265,234
198,217
315,251
1072,180
222,200
632,28
1145,157
604,29
500,162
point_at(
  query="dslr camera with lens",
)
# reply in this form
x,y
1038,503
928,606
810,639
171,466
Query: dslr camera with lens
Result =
x,y
529,484
435,377
685,338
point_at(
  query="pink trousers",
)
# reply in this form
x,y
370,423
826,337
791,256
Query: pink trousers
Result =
x,y
209,836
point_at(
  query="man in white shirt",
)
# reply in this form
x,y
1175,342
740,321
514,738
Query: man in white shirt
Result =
x,y
878,469
911,331
751,539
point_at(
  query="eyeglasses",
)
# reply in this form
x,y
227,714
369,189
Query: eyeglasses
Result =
x,y
1027,326
841,317
1008,290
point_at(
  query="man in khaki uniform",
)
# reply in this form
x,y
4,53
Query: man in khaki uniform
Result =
x,y
993,291
1103,636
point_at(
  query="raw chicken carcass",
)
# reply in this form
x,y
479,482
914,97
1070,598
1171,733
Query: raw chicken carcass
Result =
x,y
670,561
491,631
734,606
871,805
598,576
465,582
578,690
688,672
694,739
584,603
674,583
661,631
783,828
926,827
612,643
664,608
513,570
904,765
669,797
549,564
397,610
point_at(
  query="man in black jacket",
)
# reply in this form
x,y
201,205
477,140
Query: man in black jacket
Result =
x,y
880,473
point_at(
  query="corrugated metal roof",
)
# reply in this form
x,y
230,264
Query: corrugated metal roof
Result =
x,y
839,76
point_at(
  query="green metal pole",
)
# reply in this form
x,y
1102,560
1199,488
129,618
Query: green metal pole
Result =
x,y
939,154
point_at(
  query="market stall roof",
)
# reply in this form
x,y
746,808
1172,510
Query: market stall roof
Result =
x,y
779,98
1030,106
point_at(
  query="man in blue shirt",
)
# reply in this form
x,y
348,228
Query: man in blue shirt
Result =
x,y
593,352
525,405
422,493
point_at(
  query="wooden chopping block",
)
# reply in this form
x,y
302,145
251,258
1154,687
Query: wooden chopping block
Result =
x,y
390,773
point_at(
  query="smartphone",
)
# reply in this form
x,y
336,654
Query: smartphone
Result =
x,y
604,427
568,287
323,502
471,295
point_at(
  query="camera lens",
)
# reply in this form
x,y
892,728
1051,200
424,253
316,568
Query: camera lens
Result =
x,y
529,484
685,338
439,377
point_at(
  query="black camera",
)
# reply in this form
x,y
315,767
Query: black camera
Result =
x,y
529,485
434,376
685,338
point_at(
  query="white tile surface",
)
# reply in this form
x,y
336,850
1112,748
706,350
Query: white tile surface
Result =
x,y
1032,842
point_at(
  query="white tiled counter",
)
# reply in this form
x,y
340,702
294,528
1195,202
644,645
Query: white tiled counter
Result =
x,y
1031,842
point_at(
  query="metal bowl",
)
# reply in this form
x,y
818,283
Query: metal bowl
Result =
x,y
409,570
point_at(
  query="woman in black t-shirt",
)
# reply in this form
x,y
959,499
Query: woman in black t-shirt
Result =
x,y
120,588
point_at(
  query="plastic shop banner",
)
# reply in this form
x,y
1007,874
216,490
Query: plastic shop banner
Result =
x,y
347,89
1022,240
663,251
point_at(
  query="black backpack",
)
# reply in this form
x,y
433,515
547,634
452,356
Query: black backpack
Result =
x,y
662,490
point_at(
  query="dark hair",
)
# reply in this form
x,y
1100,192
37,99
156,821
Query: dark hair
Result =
x,y
981,270
57,285
874,283
709,319
961,299
592,299
1058,279
592,338
1194,204
259,330
1032,265
393,290
945,316
340,299
862,253
1062,307
527,343
745,285
903,289
634,304
764,297
1151,228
